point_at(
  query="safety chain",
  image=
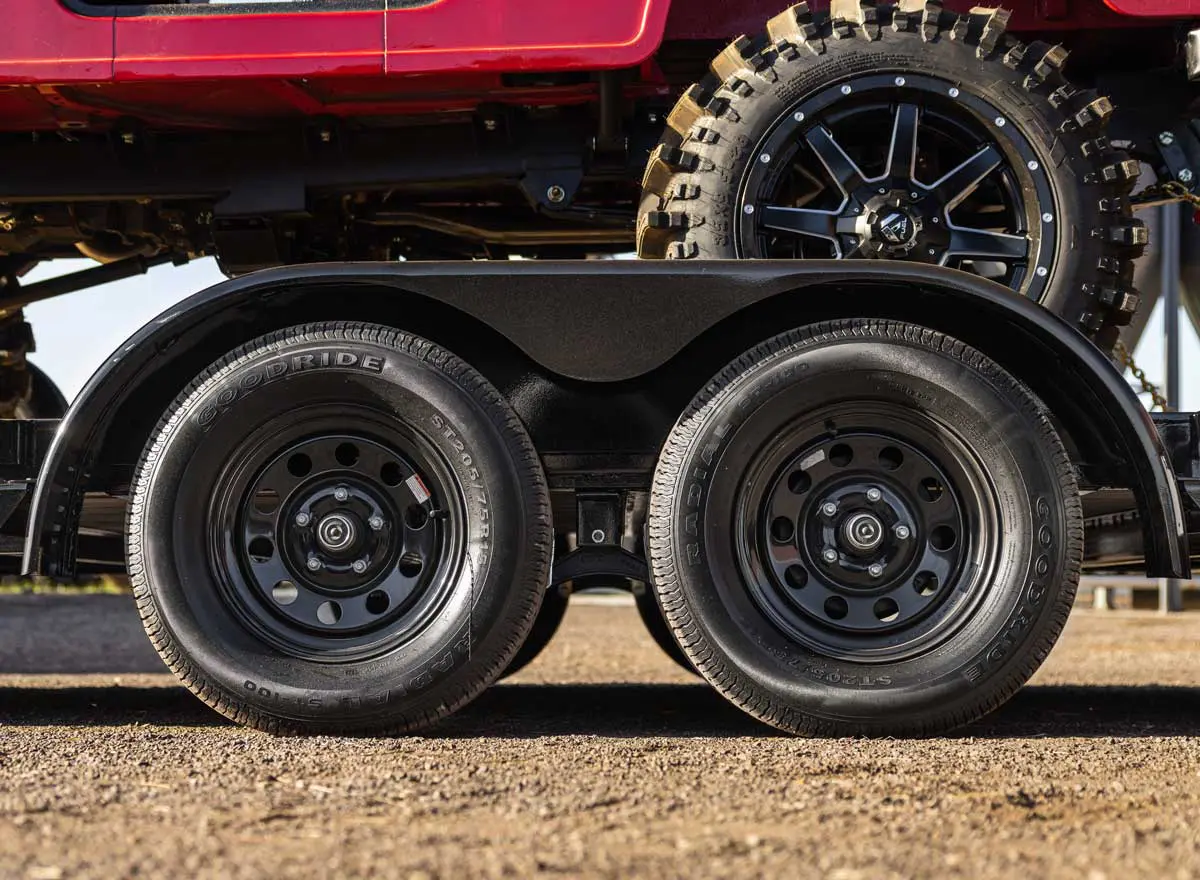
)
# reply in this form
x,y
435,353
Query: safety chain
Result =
x,y
1168,191
1126,358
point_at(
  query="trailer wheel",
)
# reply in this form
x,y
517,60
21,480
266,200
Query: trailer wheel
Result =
x,y
549,618
656,626
865,527
909,134
339,528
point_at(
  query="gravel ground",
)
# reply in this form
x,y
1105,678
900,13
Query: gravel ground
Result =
x,y
601,759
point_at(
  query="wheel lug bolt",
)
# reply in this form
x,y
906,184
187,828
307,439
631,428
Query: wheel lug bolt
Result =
x,y
359,566
341,493
902,532
828,508
303,519
829,555
375,522
875,570
314,564
874,494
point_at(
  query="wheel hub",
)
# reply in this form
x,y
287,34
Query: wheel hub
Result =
x,y
861,532
893,224
896,228
336,533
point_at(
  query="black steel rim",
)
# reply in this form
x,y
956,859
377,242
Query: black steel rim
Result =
x,y
899,166
866,531
336,533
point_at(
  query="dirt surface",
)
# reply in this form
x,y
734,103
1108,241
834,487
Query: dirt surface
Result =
x,y
602,759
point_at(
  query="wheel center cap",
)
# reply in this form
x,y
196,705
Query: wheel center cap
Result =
x,y
336,532
862,532
896,226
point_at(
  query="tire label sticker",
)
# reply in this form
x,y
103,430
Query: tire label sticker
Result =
x,y
417,488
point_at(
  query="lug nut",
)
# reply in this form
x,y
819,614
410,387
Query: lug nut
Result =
x,y
341,493
375,522
359,566
314,564
902,531
829,555
303,519
875,569
874,494
828,508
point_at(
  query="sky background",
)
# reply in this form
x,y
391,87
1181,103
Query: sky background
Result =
x,y
77,332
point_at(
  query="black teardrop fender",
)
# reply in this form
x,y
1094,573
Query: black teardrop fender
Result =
x,y
611,321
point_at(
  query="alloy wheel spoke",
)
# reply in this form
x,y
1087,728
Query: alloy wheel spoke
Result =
x,y
902,154
845,173
801,221
959,182
982,243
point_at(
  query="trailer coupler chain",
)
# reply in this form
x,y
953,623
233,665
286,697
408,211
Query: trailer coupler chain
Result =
x,y
1178,169
1164,194
1126,358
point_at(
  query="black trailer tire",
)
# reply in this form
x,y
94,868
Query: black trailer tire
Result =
x,y
656,626
297,458
966,602
745,162
549,618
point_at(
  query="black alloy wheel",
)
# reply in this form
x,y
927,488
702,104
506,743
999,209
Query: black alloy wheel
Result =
x,y
928,182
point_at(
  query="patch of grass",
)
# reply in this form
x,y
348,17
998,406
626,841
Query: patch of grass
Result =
x,y
106,585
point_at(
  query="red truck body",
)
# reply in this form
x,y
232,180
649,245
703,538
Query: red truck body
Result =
x,y
374,58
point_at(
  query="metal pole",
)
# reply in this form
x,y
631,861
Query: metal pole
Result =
x,y
1170,592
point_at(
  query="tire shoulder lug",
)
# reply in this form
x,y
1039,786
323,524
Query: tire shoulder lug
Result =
x,y
994,28
683,250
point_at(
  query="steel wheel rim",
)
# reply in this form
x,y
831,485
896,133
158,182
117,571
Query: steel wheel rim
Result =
x,y
405,516
904,202
843,609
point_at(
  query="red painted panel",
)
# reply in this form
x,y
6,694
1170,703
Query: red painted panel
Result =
x,y
45,42
1156,8
262,44
444,35
524,34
